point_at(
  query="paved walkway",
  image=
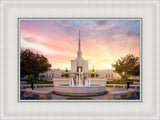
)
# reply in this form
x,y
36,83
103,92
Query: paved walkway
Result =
x,y
61,97
98,97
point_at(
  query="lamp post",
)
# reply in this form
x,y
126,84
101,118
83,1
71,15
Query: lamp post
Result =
x,y
128,83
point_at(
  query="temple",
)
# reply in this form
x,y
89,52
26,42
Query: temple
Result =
x,y
79,63
79,66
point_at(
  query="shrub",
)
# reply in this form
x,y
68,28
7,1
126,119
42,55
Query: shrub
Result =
x,y
92,75
66,75
120,81
40,82
97,75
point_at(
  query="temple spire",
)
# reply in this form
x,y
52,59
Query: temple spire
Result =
x,y
79,53
79,43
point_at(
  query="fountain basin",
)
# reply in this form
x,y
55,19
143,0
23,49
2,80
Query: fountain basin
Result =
x,y
80,90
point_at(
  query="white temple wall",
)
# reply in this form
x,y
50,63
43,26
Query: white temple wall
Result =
x,y
52,74
109,74
73,66
85,66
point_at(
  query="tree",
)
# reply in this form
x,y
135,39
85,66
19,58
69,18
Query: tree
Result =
x,y
30,77
33,63
65,74
66,70
92,75
127,66
136,70
93,69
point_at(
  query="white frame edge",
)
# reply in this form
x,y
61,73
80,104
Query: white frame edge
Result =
x,y
157,112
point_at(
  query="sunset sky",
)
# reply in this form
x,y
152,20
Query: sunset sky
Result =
x,y
102,41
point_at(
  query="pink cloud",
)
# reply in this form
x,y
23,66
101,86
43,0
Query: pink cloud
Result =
x,y
31,39
89,26
104,26
115,36
60,47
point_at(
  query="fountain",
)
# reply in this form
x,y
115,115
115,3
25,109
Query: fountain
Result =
x,y
80,89
72,82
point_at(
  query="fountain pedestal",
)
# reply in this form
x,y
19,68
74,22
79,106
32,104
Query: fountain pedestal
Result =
x,y
80,90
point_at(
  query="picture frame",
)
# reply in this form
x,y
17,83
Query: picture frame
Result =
x,y
12,109
81,19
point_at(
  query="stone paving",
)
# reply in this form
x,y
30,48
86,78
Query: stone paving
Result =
x,y
61,97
